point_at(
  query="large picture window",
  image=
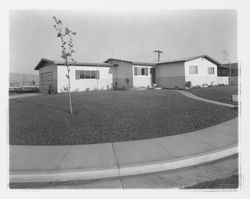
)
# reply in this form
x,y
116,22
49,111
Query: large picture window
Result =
x,y
193,69
210,70
140,71
87,74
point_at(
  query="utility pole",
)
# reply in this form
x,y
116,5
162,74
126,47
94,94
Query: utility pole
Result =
x,y
158,52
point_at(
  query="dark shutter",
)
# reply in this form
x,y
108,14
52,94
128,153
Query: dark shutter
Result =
x,y
78,74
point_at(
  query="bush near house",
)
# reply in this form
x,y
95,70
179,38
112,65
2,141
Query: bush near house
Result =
x,y
109,116
188,84
217,93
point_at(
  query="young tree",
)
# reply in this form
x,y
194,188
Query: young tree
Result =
x,y
66,36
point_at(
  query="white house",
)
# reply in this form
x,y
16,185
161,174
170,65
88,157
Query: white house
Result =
x,y
117,73
83,76
198,70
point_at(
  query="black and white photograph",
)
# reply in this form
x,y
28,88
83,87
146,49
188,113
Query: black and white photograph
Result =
x,y
124,100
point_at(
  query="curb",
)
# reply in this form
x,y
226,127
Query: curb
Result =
x,y
126,170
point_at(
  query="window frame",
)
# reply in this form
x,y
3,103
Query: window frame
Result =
x,y
191,72
140,71
208,70
87,74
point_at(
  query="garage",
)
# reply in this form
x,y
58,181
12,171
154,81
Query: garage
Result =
x,y
46,80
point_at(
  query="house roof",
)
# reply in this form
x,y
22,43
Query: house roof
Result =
x,y
189,59
165,62
132,62
43,61
107,63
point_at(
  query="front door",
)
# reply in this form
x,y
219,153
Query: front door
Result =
x,y
152,72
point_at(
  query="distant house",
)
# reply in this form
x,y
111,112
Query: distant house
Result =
x,y
117,73
224,69
198,70
229,70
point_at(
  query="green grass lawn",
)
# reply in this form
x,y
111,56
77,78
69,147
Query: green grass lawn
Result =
x,y
109,116
219,93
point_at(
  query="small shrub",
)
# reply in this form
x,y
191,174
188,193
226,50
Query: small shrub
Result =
x,y
65,88
188,84
211,84
197,86
115,86
50,89
127,81
204,85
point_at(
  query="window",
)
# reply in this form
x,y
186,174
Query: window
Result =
x,y
87,74
193,69
140,71
210,70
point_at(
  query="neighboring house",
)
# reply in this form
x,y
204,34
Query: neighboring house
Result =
x,y
199,70
224,69
229,70
117,73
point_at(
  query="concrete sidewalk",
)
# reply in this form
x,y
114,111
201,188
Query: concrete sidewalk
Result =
x,y
80,162
190,95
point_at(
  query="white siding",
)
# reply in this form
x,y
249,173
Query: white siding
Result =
x,y
202,77
142,80
104,81
170,75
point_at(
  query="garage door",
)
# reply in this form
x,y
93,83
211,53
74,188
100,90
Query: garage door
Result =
x,y
45,81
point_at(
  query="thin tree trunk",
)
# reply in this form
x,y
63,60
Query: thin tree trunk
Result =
x,y
69,94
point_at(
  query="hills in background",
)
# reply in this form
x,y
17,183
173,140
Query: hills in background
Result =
x,y
19,79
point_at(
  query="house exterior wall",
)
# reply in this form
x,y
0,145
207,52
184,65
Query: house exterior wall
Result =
x,y
222,80
141,80
104,82
122,72
44,86
170,75
202,77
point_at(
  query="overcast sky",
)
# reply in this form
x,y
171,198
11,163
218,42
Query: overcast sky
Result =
x,y
128,35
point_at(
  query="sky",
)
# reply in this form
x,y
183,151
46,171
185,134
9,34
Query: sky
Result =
x,y
129,35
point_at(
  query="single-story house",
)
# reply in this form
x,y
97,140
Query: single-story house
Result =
x,y
224,69
118,73
229,70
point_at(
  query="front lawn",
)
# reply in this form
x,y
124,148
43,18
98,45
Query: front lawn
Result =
x,y
218,93
109,116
